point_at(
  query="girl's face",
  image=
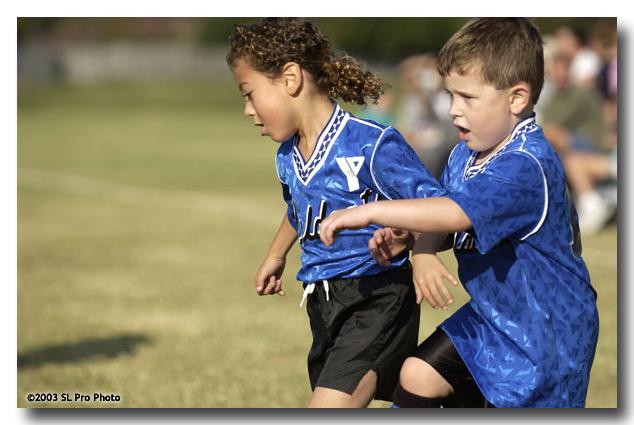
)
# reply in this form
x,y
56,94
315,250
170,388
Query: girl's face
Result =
x,y
267,102
480,112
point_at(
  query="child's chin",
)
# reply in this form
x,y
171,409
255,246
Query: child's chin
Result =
x,y
475,146
275,139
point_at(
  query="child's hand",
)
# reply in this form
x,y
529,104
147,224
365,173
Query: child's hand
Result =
x,y
268,277
429,272
351,218
388,242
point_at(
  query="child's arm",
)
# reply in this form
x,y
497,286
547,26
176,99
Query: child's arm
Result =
x,y
268,277
397,173
434,215
387,243
429,271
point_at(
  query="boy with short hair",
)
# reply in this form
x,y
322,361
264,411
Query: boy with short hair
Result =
x,y
528,335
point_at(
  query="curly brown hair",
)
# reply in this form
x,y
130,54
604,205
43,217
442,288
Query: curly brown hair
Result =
x,y
271,43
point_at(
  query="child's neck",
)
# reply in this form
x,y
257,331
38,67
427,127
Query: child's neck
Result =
x,y
482,156
312,122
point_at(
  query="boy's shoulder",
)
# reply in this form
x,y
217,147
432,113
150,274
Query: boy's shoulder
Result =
x,y
527,140
532,142
527,147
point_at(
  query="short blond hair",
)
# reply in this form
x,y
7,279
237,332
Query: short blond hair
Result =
x,y
503,51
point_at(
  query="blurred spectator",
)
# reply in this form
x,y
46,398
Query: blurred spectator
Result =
x,y
606,44
572,115
585,64
593,177
550,50
585,171
579,119
423,116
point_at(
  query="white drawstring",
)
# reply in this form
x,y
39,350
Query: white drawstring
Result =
x,y
307,290
310,288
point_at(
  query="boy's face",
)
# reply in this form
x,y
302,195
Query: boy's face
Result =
x,y
266,102
480,111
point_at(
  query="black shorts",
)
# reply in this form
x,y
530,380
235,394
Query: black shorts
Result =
x,y
369,323
438,351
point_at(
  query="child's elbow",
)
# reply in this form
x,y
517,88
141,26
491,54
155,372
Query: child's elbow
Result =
x,y
457,219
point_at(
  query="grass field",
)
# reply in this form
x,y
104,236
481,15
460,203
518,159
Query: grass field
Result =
x,y
143,213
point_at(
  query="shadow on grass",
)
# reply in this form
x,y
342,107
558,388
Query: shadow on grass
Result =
x,y
81,351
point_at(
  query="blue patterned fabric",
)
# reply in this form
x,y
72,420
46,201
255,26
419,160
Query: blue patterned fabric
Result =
x,y
354,162
528,335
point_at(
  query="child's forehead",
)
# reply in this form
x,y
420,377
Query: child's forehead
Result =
x,y
244,76
241,64
243,71
472,67
465,77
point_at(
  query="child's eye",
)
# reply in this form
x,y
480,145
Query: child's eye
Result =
x,y
247,96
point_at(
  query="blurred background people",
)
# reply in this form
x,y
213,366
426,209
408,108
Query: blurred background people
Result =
x,y
572,115
579,119
423,112
585,63
586,172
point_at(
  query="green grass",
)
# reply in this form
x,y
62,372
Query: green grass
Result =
x,y
143,213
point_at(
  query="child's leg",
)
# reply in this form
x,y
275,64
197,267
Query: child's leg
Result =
x,y
361,397
419,377
362,334
436,376
420,385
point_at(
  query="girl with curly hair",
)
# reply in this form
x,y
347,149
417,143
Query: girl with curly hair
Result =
x,y
364,316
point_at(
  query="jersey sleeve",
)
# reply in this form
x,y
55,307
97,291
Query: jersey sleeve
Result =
x,y
507,199
290,209
398,172
286,194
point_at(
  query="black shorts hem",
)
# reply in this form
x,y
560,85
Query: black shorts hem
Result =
x,y
368,323
439,352
352,384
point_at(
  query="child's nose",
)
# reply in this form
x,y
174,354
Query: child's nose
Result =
x,y
248,110
453,110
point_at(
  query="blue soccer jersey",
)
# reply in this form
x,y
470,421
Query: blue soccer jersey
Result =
x,y
354,162
528,335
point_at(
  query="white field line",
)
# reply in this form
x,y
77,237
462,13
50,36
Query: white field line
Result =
x,y
207,203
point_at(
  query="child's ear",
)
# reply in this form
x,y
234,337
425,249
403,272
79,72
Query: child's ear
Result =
x,y
292,77
519,97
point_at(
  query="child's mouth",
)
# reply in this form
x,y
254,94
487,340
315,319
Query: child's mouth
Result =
x,y
462,132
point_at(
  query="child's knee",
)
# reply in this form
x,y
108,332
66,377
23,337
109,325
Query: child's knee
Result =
x,y
419,377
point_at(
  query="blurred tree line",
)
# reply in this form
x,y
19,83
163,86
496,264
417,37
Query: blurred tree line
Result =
x,y
374,38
